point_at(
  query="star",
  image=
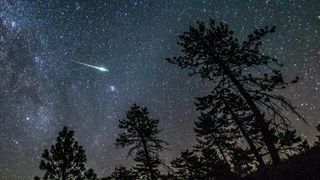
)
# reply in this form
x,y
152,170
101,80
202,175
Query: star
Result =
x,y
112,88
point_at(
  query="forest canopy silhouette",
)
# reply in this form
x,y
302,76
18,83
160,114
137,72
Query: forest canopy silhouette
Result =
x,y
242,131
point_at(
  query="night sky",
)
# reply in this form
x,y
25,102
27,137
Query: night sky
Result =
x,y
42,89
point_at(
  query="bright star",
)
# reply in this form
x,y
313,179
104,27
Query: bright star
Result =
x,y
112,88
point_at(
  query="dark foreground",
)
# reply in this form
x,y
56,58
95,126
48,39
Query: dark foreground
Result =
x,y
305,166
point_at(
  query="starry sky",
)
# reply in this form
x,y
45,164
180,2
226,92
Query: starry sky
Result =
x,y
42,89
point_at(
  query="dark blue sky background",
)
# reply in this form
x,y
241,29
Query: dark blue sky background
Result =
x,y
42,90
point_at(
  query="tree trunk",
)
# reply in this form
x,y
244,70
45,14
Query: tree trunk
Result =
x,y
246,136
150,175
223,156
63,170
264,127
251,145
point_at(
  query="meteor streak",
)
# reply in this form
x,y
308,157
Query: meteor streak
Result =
x,y
89,65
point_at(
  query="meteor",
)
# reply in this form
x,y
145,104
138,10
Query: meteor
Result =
x,y
89,65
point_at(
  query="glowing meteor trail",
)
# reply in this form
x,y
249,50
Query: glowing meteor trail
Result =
x,y
89,65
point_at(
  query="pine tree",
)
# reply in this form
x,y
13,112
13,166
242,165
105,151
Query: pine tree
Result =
x,y
240,159
140,133
241,68
215,132
65,160
122,173
212,166
147,165
225,115
188,166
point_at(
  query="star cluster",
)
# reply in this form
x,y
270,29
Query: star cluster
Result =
x,y
42,89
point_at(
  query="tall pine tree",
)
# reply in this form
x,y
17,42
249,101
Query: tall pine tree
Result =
x,y
216,55
65,160
140,133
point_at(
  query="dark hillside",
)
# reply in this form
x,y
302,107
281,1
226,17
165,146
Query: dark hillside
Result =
x,y
305,166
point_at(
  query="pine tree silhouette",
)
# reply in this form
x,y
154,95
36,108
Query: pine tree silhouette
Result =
x,y
213,131
188,166
241,68
240,158
122,173
140,133
212,166
65,160
226,118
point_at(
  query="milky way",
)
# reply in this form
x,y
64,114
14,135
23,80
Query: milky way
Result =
x,y
42,90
